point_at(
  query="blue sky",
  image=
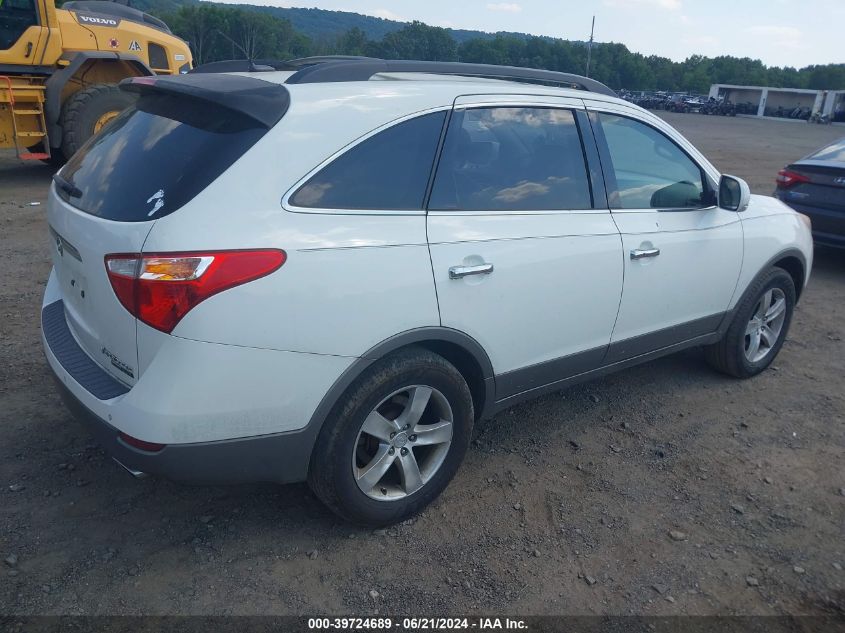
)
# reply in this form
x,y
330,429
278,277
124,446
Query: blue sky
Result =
x,y
780,32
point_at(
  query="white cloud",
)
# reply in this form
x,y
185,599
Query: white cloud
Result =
x,y
387,14
672,5
778,36
507,7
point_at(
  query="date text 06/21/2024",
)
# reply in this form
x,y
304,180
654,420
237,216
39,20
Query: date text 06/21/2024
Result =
x,y
416,624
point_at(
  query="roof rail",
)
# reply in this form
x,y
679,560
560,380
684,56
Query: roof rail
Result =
x,y
363,69
269,65
240,66
302,62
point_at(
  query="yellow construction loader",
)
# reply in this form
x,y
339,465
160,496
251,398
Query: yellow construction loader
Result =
x,y
59,70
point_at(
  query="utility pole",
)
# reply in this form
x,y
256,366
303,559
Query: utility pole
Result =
x,y
590,47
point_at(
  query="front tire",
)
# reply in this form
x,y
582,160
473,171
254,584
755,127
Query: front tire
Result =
x,y
395,440
85,112
759,327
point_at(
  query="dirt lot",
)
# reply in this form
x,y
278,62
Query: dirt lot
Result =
x,y
563,506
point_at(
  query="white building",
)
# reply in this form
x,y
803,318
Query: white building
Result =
x,y
834,103
766,98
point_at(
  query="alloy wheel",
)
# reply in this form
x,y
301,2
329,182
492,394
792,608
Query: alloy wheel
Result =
x,y
402,443
765,325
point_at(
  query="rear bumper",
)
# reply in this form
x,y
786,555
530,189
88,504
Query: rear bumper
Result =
x,y
226,414
281,458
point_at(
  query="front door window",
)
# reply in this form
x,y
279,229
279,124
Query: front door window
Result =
x,y
651,171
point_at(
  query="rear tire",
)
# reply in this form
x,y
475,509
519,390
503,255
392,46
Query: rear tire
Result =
x,y
85,111
368,466
759,327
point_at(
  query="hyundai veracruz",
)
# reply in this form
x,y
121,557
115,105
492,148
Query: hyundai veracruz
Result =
x,y
331,273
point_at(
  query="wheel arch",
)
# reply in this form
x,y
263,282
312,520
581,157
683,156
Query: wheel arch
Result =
x,y
469,366
795,265
791,260
105,66
460,349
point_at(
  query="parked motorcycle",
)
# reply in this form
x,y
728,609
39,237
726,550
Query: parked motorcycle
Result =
x,y
746,108
821,119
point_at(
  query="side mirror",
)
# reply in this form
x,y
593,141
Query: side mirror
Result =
x,y
734,193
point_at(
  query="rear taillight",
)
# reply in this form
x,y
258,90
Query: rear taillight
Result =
x,y
787,178
161,288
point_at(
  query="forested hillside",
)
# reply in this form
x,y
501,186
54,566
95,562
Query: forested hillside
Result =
x,y
219,31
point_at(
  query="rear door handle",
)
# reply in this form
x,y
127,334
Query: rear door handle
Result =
x,y
638,253
458,272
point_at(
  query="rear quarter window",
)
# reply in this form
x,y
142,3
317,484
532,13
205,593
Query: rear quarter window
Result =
x,y
155,157
388,171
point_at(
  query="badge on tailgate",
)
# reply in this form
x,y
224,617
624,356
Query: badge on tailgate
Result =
x,y
63,247
119,364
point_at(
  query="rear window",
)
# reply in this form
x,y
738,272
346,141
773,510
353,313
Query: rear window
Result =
x,y
835,152
155,157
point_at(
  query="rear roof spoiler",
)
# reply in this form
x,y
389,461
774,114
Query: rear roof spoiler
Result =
x,y
261,101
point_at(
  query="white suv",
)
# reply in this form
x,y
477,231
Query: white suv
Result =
x,y
330,273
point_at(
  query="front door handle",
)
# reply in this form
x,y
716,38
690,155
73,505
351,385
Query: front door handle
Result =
x,y
457,272
638,253
28,50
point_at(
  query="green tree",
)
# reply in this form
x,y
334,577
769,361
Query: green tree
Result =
x,y
353,42
831,77
200,26
416,41
217,32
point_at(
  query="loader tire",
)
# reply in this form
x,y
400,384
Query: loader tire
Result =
x,y
88,110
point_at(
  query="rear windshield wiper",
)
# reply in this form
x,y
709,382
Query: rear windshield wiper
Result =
x,y
68,187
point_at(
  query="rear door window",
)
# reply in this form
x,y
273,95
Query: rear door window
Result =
x,y
388,171
155,157
512,159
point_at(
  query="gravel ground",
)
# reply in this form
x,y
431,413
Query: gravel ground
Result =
x,y
664,489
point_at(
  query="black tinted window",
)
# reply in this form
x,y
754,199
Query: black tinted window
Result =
x,y
651,171
388,171
512,159
158,56
16,16
155,157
